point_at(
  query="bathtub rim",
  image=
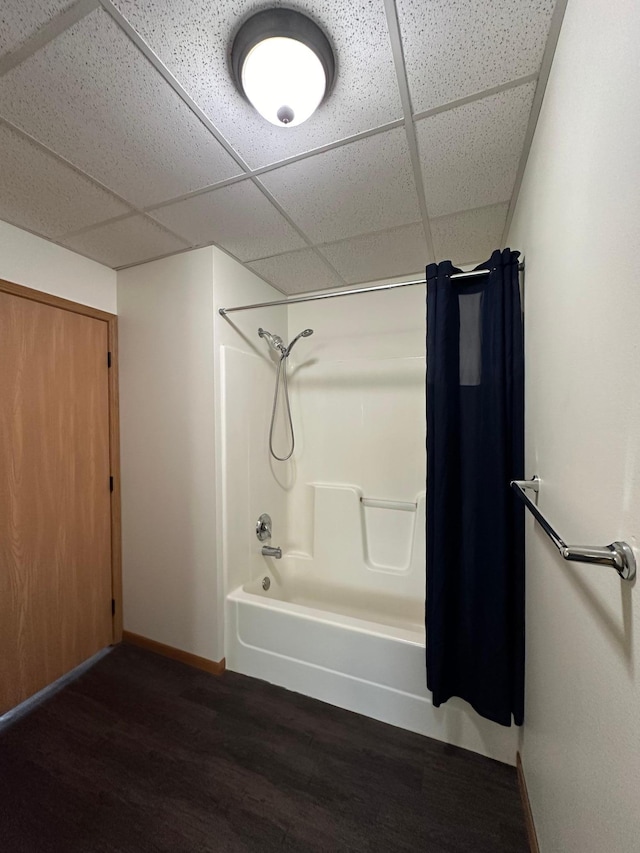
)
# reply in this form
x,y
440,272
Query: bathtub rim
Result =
x,y
350,623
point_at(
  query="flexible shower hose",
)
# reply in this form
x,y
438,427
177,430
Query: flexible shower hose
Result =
x,y
281,375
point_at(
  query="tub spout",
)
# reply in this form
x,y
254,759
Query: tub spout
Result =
x,y
269,551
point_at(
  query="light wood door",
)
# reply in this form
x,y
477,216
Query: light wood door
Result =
x,y
55,515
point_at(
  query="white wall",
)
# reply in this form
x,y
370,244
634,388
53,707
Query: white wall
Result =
x,y
578,223
248,482
168,452
33,262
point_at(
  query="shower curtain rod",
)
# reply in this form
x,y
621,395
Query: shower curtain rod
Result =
x,y
472,274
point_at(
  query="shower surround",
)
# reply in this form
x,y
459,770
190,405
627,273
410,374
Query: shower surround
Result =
x,y
342,618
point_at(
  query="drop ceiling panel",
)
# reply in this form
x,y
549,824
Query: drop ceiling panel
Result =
x,y
469,155
41,194
296,272
471,236
456,48
361,187
112,115
19,19
386,254
127,241
93,97
193,38
239,218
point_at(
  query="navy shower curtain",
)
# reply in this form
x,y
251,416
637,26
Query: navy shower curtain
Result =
x,y
475,526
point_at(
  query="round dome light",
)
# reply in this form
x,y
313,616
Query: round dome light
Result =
x,y
283,64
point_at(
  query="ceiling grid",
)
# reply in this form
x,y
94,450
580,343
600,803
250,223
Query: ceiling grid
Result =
x,y
15,192
166,156
412,142
29,44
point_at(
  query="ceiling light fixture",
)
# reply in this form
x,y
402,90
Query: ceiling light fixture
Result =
x,y
283,64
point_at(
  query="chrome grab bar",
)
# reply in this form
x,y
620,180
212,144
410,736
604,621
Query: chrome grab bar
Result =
x,y
619,555
407,506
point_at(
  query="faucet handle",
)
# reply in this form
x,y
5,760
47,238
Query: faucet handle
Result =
x,y
263,527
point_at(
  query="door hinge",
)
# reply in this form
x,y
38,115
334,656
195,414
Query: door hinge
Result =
x,y
110,484
113,607
108,359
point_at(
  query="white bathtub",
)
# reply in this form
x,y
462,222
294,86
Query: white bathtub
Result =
x,y
361,651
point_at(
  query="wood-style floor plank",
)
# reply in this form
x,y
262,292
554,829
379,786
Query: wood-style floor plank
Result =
x,y
148,755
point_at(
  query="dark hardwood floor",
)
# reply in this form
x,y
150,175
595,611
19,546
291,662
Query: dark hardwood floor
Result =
x,y
146,754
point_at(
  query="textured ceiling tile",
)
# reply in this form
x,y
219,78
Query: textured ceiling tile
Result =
x,y
40,193
127,241
455,48
192,38
19,19
296,272
239,218
469,156
400,251
112,115
363,186
471,236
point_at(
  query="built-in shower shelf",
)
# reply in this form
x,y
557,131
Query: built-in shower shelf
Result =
x,y
406,506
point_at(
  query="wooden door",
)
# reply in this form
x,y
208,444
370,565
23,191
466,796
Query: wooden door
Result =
x,y
55,508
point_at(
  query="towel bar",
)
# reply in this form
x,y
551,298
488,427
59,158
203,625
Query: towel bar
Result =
x,y
619,555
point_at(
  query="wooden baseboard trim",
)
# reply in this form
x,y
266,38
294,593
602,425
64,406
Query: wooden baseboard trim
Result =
x,y
215,667
526,806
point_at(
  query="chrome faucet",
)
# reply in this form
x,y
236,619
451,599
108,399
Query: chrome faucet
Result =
x,y
263,531
270,551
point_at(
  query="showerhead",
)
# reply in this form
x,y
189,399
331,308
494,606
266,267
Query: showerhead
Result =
x,y
304,334
276,343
